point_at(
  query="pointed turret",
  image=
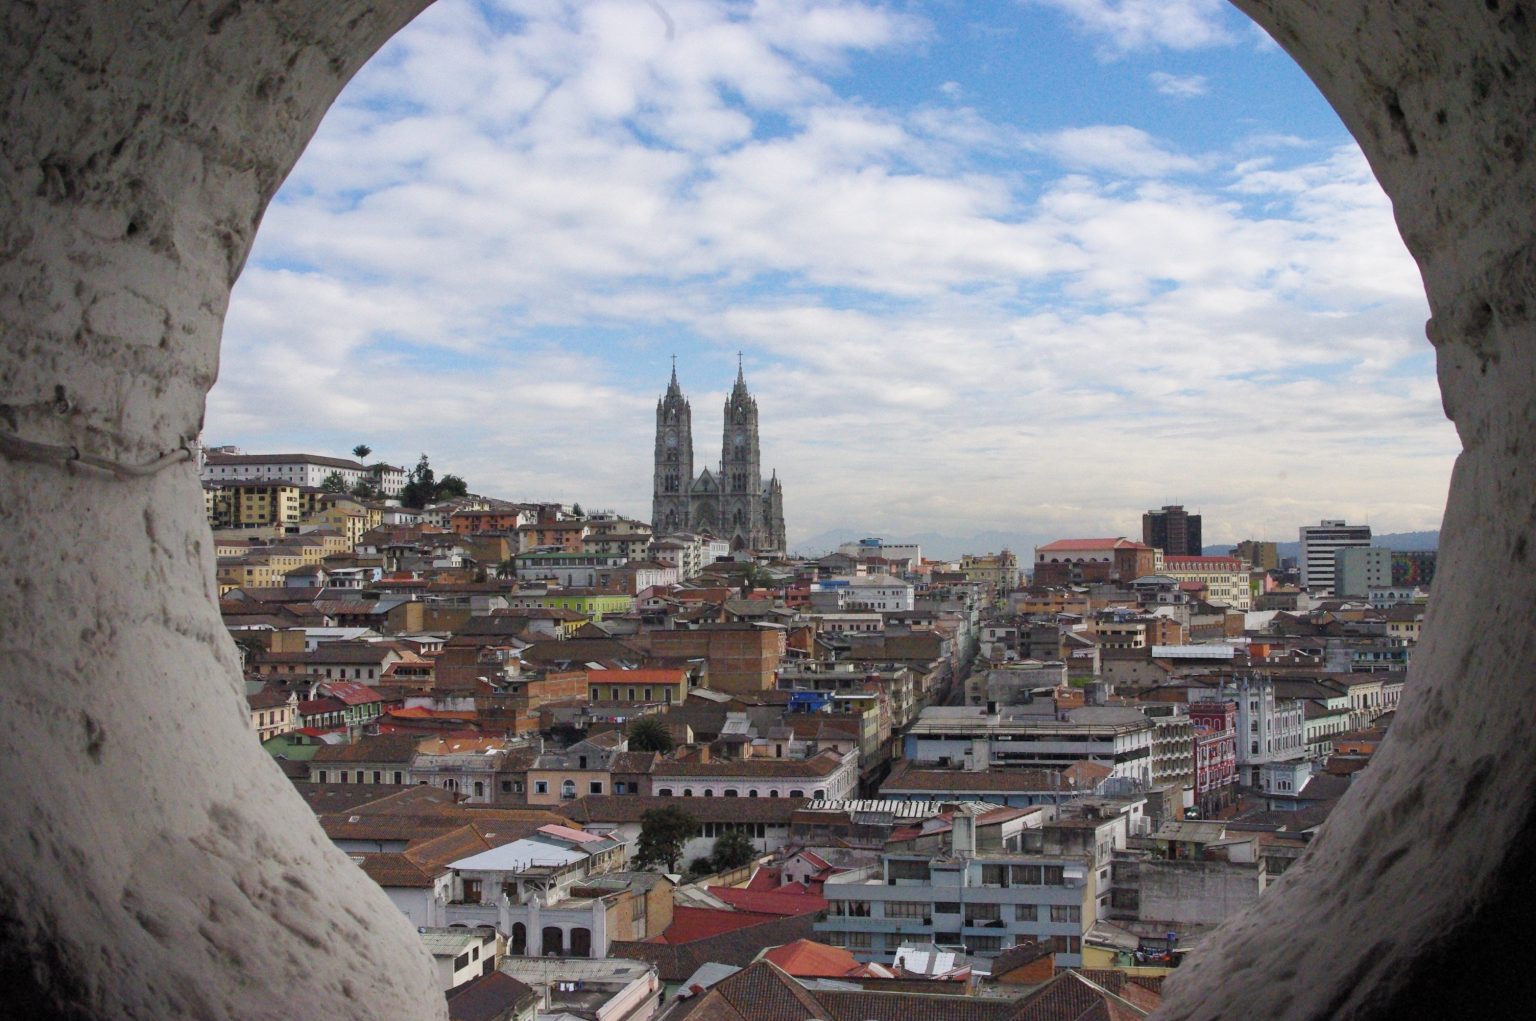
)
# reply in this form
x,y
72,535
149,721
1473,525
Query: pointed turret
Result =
x,y
740,389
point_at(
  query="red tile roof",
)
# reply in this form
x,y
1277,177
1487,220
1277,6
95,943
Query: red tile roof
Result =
x,y
1063,545
806,959
791,900
691,924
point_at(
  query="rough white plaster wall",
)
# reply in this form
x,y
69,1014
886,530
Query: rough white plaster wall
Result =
x,y
157,864
1442,97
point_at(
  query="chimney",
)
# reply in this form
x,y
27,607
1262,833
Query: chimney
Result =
x,y
963,834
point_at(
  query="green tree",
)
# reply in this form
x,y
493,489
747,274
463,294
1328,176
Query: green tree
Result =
x,y
732,850
576,510
333,483
420,484
649,734
663,832
363,490
361,451
448,486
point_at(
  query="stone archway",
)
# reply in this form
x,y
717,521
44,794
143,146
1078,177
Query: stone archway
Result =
x,y
152,876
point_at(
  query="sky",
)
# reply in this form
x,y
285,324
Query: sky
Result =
x,y
1023,268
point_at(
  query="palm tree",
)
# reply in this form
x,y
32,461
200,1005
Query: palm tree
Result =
x,y
361,451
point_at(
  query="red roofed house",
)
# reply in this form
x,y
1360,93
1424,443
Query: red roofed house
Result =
x,y
1085,561
808,959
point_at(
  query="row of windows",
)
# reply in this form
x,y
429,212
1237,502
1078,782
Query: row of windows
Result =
x,y
975,914
733,792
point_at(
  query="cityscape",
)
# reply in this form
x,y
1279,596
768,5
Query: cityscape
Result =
x,y
607,768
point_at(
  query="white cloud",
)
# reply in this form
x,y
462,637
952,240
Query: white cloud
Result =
x,y
1129,25
1179,86
1117,148
950,324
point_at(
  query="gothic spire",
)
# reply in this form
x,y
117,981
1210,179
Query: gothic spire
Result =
x,y
740,390
672,388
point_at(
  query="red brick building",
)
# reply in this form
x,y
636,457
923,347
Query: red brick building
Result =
x,y
1215,755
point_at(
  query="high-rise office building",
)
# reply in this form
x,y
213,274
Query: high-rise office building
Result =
x,y
1358,569
1172,530
1320,543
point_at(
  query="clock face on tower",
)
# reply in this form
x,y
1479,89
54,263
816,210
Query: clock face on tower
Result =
x,y
741,438
671,438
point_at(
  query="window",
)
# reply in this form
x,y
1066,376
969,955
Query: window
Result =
x,y
859,940
797,793
664,792
378,776
399,777
978,913
1066,913
730,792
907,909
994,875
595,787
506,786
541,787
687,792
1024,913
341,777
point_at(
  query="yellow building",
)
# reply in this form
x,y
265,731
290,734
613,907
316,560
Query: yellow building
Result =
x,y
1000,570
349,518
255,503
1225,578
254,570
667,686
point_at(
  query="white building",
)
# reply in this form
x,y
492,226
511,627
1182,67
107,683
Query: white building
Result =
x,y
1320,543
826,776
1268,729
881,593
1359,569
301,469
984,885
1037,735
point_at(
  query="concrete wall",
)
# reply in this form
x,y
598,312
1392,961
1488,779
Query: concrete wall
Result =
x,y
1191,893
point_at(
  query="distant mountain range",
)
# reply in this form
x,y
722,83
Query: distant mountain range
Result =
x,y
937,546
1403,541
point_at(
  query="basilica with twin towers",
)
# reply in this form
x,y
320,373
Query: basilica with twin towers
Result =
x,y
732,502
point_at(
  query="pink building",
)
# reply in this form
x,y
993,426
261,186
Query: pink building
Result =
x,y
1215,755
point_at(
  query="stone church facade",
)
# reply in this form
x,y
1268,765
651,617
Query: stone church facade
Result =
x,y
731,502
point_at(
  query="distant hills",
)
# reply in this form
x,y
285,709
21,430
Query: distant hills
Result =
x,y
937,546
1404,541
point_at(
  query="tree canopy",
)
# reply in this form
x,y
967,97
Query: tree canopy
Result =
x,y
732,850
361,451
649,734
333,483
663,833
423,486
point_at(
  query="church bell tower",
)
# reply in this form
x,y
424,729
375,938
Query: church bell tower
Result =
x,y
673,474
